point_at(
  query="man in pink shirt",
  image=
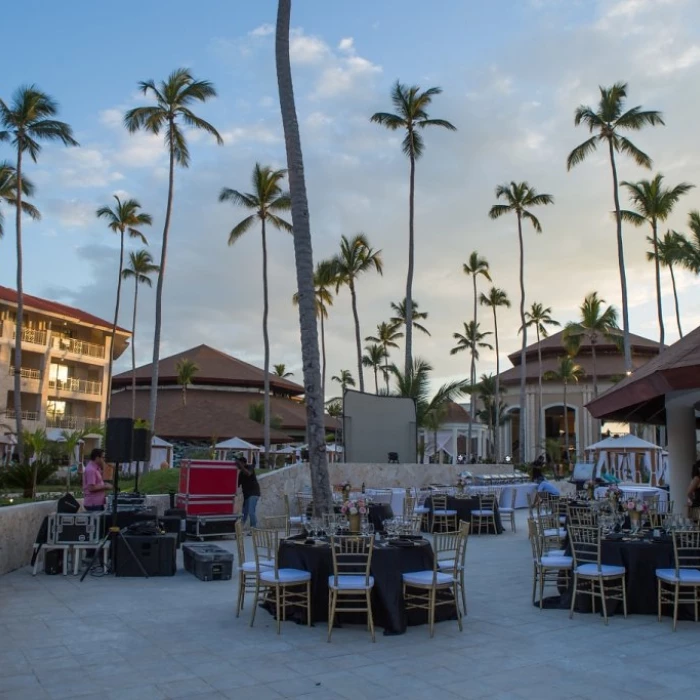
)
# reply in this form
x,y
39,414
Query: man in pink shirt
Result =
x,y
94,487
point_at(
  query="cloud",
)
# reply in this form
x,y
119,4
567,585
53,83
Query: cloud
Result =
x,y
251,134
262,30
347,44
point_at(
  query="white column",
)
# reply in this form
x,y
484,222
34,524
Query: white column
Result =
x,y
680,427
454,445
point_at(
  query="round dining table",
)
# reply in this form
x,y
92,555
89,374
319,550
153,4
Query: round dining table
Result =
x,y
389,561
464,505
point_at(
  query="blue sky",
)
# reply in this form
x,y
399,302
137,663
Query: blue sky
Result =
x,y
512,74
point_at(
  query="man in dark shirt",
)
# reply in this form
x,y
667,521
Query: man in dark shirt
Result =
x,y
248,483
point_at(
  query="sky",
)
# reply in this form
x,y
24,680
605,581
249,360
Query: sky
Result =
x,y
512,73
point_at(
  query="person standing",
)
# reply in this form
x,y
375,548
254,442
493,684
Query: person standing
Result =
x,y
94,486
248,483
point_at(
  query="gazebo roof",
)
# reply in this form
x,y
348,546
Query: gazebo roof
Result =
x,y
235,443
626,443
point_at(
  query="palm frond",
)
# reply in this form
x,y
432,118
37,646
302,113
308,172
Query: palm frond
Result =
x,y
240,228
581,152
498,210
625,146
196,122
631,217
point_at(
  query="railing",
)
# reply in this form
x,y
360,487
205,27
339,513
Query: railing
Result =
x,y
80,347
32,335
71,422
26,415
26,372
80,386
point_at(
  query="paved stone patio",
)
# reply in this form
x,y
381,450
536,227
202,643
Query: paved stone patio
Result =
x,y
179,638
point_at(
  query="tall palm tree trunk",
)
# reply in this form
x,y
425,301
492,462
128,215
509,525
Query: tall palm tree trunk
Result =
x,y
358,341
303,254
657,274
376,381
523,360
408,363
675,300
594,367
566,427
133,349
153,406
621,263
472,382
20,311
540,416
114,325
323,357
386,372
497,407
266,346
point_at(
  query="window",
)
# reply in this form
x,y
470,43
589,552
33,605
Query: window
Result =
x,y
56,408
58,372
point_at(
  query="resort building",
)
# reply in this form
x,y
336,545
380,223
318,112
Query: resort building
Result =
x,y
583,428
223,401
65,361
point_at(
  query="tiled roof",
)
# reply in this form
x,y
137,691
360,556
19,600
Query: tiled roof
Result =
x,y
456,414
52,307
215,367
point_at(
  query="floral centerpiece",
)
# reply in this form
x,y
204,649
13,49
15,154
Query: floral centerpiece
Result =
x,y
346,487
636,509
463,482
615,496
354,509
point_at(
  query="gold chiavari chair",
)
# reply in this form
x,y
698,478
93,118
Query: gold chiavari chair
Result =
x,y
547,567
247,570
409,505
351,585
485,514
681,584
450,551
581,515
509,510
659,512
591,576
296,522
280,587
443,517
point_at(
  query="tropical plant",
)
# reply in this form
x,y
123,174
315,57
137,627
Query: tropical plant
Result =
x,y
324,281
186,372
25,122
669,252
123,219
281,371
303,257
387,335
374,358
494,412
70,441
8,193
356,256
345,379
400,316
539,317
174,98
140,268
568,372
476,266
607,121
26,476
494,299
653,203
472,339
411,116
256,413
334,408
265,201
595,323
520,198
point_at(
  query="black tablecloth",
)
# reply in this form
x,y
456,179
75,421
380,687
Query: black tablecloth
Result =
x,y
388,565
464,508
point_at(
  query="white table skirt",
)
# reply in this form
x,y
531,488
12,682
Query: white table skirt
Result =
x,y
645,493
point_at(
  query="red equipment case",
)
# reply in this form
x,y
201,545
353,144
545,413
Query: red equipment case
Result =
x,y
207,487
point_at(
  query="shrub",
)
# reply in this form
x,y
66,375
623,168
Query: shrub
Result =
x,y
21,475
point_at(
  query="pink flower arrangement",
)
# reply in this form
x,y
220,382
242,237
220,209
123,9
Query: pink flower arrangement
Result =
x,y
636,505
354,507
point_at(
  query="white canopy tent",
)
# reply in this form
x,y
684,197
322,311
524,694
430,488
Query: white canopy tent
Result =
x,y
630,459
235,444
161,451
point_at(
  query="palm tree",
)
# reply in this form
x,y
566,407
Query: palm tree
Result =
x,y
174,98
387,335
595,323
411,105
373,357
8,193
494,411
653,203
281,371
669,252
472,339
25,122
345,379
186,371
303,256
265,201
607,121
520,197
400,318
124,218
568,372
70,441
140,268
324,280
476,266
495,298
256,413
356,256
540,317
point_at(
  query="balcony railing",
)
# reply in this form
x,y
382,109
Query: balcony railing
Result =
x,y
80,386
26,415
32,335
26,372
70,422
80,347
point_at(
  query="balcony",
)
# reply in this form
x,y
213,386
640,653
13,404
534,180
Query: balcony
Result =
x,y
26,415
80,347
26,373
71,422
32,335
78,386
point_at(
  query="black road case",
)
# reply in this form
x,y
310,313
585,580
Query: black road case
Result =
x,y
200,526
208,562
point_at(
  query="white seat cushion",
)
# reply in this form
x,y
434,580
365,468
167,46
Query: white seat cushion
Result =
x,y
483,513
350,583
684,575
421,510
425,578
507,510
249,566
296,520
605,570
285,576
560,532
560,561
445,512
448,564
562,519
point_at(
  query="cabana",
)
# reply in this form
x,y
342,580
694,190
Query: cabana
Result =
x,y
235,444
628,458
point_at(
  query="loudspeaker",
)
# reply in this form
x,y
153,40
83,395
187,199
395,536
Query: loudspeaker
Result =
x,y
119,439
142,445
